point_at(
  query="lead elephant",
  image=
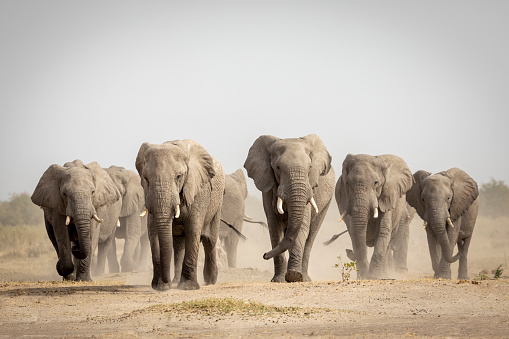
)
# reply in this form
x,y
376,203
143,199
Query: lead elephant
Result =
x,y
81,209
132,228
448,203
297,183
370,194
233,214
183,188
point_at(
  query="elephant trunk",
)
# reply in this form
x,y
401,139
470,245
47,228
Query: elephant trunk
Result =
x,y
163,225
298,198
83,226
438,227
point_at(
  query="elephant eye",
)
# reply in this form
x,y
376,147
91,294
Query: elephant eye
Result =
x,y
376,182
93,192
179,176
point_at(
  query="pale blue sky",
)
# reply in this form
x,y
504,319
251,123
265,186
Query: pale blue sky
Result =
x,y
426,80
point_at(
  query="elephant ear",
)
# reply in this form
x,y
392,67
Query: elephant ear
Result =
x,y
200,169
140,158
105,190
341,192
258,163
413,196
465,191
47,191
320,159
398,180
129,185
240,178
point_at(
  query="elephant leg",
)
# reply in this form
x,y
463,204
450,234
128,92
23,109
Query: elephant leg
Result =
x,y
401,246
51,234
314,227
434,250
230,245
132,239
143,264
381,246
153,237
209,245
188,278
276,235
113,266
178,257
463,261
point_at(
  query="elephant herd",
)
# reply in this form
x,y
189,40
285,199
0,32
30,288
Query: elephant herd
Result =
x,y
181,197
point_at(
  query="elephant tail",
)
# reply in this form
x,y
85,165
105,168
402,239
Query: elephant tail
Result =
x,y
331,240
241,236
249,219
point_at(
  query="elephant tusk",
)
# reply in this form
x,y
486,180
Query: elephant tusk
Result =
x,y
144,213
67,221
96,218
342,217
450,222
118,223
280,205
375,213
177,211
313,203
424,226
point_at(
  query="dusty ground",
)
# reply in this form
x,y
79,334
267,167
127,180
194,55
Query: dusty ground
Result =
x,y
123,305
34,302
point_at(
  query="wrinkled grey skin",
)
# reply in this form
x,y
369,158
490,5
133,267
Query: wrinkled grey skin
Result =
x,y
295,170
133,228
450,194
78,191
398,248
368,182
233,214
181,173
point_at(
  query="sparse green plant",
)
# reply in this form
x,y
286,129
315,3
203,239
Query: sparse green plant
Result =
x,y
481,276
346,268
498,272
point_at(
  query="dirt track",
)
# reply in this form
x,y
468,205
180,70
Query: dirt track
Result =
x,y
124,305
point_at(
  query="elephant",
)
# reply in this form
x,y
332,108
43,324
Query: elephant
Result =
x,y
81,207
448,203
370,194
132,227
183,188
233,214
296,179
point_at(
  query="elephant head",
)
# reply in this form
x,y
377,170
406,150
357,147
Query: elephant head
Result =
x,y
76,191
172,174
291,168
129,186
441,199
369,184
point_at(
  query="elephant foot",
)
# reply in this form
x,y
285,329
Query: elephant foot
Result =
x,y
401,269
188,285
159,285
70,277
306,277
83,278
293,276
278,278
441,276
210,275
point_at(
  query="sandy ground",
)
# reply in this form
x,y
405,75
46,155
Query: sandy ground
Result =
x,y
34,302
122,305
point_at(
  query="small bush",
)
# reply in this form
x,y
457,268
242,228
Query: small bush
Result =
x,y
346,268
498,272
20,210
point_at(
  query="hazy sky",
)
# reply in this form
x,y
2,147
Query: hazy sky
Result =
x,y
93,80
